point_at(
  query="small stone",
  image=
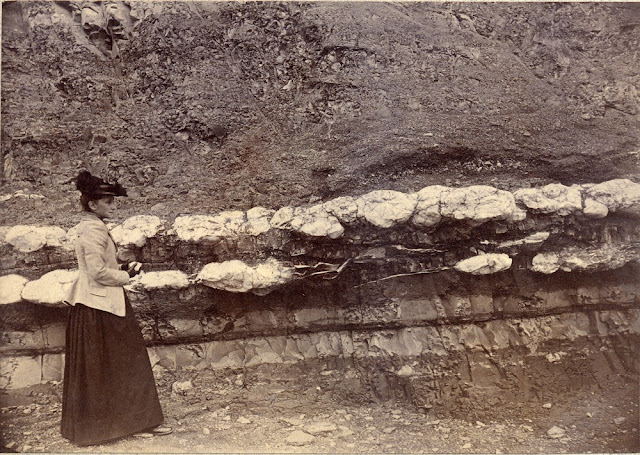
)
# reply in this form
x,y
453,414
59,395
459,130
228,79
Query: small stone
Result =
x,y
292,421
480,424
27,433
389,430
243,420
547,405
26,448
11,445
619,420
589,414
299,438
206,431
181,388
345,432
158,207
467,446
555,432
27,411
320,427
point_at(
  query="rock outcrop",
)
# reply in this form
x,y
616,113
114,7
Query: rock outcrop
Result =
x,y
418,232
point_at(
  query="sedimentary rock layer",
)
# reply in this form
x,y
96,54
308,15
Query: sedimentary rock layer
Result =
x,y
477,230
440,257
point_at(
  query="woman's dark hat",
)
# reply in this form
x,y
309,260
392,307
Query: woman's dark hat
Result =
x,y
93,187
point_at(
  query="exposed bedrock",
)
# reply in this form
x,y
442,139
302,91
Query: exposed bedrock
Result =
x,y
444,270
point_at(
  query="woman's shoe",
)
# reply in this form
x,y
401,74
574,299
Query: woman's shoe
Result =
x,y
157,431
161,431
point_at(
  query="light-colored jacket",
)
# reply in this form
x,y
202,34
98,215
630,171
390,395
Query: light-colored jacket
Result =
x,y
100,280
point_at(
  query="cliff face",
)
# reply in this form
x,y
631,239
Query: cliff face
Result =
x,y
440,196
210,106
455,298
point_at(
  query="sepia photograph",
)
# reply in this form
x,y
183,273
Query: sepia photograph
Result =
x,y
320,227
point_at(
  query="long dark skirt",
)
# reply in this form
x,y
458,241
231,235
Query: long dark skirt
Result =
x,y
109,390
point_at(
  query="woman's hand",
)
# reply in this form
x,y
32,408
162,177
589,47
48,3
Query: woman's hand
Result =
x,y
133,268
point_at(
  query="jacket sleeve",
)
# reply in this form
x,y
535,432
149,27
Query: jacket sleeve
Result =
x,y
94,240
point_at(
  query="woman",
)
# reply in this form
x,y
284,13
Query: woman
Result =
x,y
109,390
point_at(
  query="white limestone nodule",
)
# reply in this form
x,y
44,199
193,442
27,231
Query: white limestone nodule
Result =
x,y
236,276
484,264
27,239
314,221
11,287
605,257
427,212
162,280
202,228
595,209
258,221
136,230
617,194
343,208
51,288
386,208
552,198
477,203
546,263
282,217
